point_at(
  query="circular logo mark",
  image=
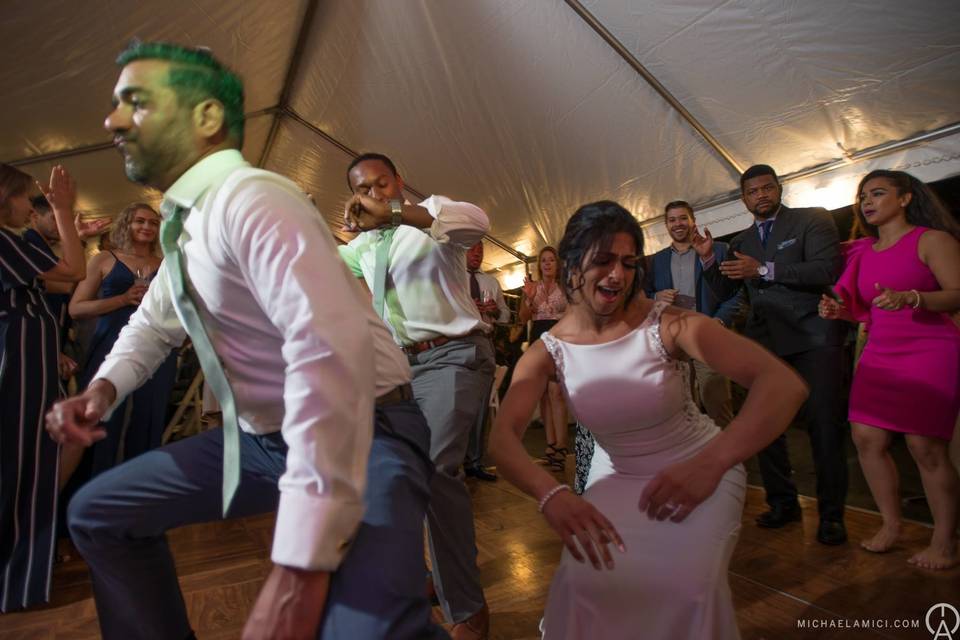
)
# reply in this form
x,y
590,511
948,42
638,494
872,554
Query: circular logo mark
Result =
x,y
942,620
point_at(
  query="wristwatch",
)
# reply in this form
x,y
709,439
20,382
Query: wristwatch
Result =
x,y
396,211
763,270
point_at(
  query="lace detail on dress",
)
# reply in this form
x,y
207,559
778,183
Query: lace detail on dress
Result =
x,y
555,352
654,319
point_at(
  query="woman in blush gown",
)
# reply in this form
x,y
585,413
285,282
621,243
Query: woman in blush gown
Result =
x,y
648,545
903,281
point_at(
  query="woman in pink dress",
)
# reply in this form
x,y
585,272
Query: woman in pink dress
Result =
x,y
903,280
666,486
544,302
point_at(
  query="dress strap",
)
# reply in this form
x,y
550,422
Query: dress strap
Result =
x,y
656,311
653,319
553,348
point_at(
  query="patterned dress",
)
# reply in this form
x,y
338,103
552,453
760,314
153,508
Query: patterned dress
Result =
x,y
29,459
547,309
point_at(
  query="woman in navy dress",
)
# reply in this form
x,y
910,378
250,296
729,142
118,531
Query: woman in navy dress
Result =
x,y
115,284
29,349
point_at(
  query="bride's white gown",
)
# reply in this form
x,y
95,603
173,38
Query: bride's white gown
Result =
x,y
672,581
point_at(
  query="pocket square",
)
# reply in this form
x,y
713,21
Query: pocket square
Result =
x,y
786,243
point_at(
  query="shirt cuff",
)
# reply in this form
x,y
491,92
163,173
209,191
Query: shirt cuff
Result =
x,y
314,532
706,264
769,276
122,376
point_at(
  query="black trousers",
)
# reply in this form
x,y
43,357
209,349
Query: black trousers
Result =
x,y
824,415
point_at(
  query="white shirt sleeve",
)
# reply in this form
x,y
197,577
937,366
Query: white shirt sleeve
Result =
x,y
142,346
289,260
459,223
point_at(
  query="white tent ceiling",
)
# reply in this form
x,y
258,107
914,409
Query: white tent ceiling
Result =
x,y
528,108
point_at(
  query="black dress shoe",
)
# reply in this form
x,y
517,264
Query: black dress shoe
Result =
x,y
779,516
480,474
831,532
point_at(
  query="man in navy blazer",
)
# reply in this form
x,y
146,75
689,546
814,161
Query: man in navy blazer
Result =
x,y
785,261
676,277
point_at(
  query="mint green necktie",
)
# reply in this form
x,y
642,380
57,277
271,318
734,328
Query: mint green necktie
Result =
x,y
173,215
380,269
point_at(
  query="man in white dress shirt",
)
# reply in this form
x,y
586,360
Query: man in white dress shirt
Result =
x,y
319,389
488,296
423,294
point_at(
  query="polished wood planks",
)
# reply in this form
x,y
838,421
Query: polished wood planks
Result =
x,y
777,577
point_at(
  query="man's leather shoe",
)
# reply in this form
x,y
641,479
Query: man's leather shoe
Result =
x,y
480,474
779,516
476,627
831,532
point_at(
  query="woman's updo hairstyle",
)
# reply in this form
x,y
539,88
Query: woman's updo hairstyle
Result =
x,y
591,229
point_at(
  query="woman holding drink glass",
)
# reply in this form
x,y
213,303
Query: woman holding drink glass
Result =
x,y
115,284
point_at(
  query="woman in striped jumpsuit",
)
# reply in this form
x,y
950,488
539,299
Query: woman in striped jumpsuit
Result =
x,y
29,349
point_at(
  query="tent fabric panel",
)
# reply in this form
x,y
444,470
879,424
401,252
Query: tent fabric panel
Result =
x,y
518,107
785,82
59,72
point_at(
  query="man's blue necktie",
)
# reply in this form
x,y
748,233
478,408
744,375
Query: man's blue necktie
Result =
x,y
765,228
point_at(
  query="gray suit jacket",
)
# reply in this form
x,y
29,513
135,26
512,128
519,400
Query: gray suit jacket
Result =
x,y
804,248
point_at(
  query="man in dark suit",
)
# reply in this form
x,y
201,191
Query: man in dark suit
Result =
x,y
785,261
676,277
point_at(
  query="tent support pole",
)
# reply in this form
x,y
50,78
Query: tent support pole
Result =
x,y
103,146
629,58
293,115
283,104
850,158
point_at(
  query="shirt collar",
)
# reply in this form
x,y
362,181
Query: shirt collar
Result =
x,y
757,222
208,172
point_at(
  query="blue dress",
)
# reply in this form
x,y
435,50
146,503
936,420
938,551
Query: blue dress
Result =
x,y
137,424
29,459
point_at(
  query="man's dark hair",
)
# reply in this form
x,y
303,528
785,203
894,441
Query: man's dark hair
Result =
x,y
756,171
677,204
594,225
40,204
363,157
195,76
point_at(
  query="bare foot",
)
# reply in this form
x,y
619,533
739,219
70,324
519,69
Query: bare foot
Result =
x,y
937,557
882,540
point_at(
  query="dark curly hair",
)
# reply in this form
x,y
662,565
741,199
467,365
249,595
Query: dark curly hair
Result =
x,y
924,210
120,233
591,229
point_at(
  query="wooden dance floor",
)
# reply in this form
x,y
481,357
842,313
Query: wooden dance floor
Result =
x,y
781,579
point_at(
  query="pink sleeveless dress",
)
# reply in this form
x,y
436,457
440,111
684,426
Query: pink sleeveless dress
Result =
x,y
908,378
671,584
